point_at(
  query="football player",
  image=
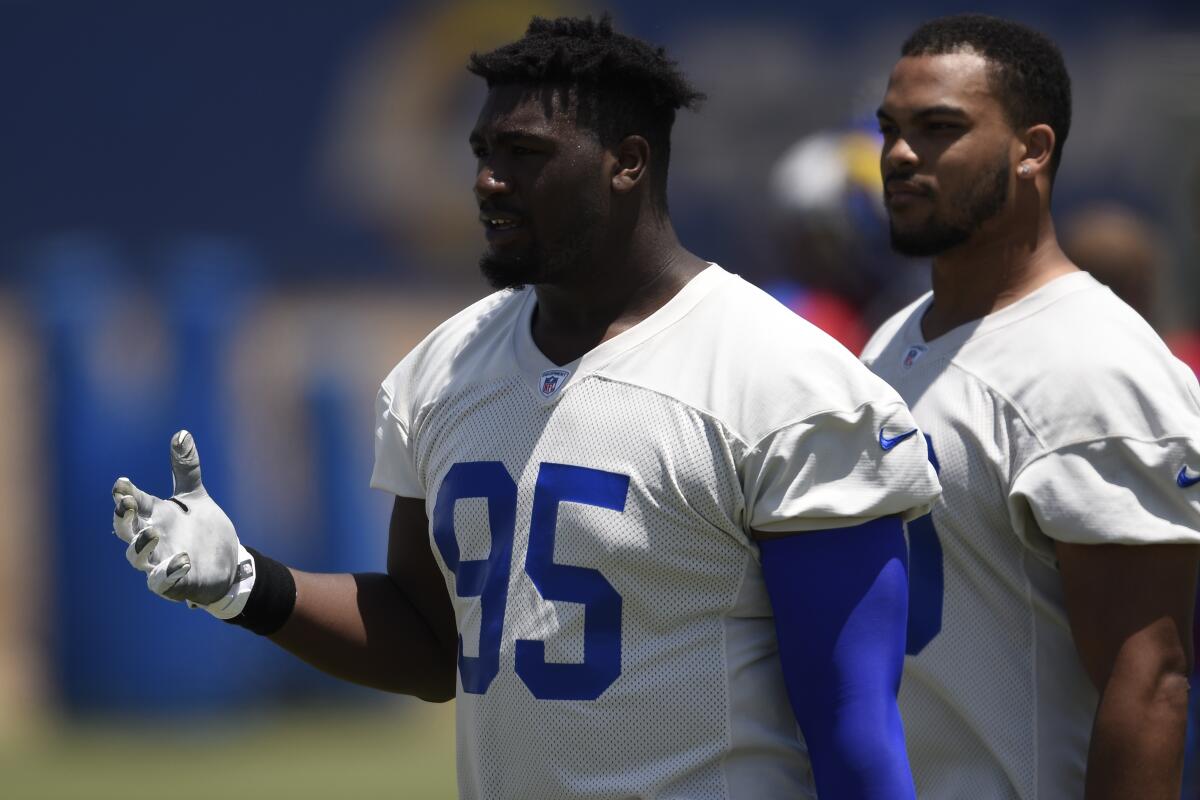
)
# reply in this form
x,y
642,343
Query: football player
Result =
x,y
646,519
1052,587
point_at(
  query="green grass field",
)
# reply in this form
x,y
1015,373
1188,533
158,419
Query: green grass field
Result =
x,y
404,752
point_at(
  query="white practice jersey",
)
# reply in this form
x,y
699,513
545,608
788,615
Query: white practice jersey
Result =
x,y
1062,417
592,521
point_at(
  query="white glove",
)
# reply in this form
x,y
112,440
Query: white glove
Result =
x,y
186,545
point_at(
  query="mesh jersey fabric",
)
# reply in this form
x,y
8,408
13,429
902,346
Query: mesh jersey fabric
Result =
x,y
1059,417
616,634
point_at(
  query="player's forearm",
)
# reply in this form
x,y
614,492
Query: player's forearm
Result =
x,y
1138,735
1131,618
362,628
860,753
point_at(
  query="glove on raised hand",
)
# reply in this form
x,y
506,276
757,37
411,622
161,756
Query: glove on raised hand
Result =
x,y
185,544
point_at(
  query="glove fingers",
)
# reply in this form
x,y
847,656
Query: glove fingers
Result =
x,y
178,568
141,551
124,518
165,578
125,487
185,463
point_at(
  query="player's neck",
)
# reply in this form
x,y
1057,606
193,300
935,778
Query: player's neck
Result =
x,y
635,276
989,272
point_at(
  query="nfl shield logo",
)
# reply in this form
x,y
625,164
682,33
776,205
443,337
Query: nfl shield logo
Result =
x,y
912,354
552,379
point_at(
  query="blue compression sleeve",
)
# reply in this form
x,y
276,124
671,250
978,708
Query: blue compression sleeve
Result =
x,y
840,599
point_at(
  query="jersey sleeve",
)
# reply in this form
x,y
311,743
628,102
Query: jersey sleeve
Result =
x,y
1115,490
395,468
839,469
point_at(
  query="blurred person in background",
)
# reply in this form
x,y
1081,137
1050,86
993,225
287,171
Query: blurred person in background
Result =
x,y
1127,254
1053,584
602,473
829,224
1121,250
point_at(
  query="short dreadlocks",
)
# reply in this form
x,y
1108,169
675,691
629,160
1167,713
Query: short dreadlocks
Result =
x,y
619,86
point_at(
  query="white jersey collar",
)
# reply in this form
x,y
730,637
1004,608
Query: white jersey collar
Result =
x,y
1030,304
549,380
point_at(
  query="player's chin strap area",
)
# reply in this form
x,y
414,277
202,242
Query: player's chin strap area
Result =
x,y
234,601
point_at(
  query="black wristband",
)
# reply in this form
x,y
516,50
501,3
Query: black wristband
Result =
x,y
271,599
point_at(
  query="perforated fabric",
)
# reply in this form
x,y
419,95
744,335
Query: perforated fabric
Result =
x,y
651,439
1061,417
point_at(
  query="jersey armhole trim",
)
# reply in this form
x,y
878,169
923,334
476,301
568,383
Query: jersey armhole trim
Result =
x,y
390,415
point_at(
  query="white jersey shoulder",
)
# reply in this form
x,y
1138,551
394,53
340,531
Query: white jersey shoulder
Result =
x,y
1087,366
1098,405
788,392
751,362
470,346
458,352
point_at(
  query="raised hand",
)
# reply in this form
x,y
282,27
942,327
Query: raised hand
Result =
x,y
185,544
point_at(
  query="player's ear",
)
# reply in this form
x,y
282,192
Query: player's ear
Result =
x,y
632,161
1039,150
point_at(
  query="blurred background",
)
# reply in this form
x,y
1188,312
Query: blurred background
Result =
x,y
236,217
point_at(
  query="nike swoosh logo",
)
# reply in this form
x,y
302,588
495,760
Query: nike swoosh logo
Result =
x,y
888,444
1185,480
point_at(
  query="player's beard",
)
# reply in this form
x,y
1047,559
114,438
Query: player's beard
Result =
x,y
977,205
511,270
534,264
